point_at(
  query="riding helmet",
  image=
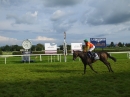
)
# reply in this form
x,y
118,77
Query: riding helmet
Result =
x,y
85,40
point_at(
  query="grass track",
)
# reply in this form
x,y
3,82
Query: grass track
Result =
x,y
59,79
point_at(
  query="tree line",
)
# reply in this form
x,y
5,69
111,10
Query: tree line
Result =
x,y
40,47
120,44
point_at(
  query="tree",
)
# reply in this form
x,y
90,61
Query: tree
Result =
x,y
112,44
120,44
61,47
127,44
68,47
0,52
15,48
40,47
33,48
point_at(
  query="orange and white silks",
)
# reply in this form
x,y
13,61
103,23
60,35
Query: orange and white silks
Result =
x,y
89,46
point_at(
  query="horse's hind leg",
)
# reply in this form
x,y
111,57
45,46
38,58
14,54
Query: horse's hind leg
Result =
x,y
92,68
108,65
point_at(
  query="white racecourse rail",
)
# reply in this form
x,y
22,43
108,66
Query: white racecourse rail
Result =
x,y
127,52
58,56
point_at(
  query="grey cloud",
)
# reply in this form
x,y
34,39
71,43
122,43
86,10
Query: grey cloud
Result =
x,y
28,18
107,12
118,18
11,2
129,29
58,15
62,21
62,25
101,35
53,3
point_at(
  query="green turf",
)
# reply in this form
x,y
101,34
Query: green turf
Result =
x,y
64,79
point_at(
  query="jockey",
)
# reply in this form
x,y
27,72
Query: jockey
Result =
x,y
89,47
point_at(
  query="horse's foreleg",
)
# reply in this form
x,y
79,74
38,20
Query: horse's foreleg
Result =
x,y
90,65
84,68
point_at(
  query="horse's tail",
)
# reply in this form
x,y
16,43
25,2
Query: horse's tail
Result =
x,y
114,59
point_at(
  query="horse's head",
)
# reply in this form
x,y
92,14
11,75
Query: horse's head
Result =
x,y
75,54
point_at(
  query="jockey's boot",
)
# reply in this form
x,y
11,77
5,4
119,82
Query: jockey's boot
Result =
x,y
90,55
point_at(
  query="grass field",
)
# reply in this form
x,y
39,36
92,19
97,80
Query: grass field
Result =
x,y
64,79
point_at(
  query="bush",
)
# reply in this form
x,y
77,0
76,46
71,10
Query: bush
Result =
x,y
38,52
16,53
1,52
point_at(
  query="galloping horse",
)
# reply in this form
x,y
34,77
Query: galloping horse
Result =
x,y
103,56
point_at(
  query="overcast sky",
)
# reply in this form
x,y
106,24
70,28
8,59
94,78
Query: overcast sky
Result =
x,y
45,21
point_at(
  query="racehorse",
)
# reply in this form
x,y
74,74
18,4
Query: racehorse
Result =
x,y
86,60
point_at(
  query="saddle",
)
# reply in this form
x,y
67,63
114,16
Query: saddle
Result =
x,y
93,55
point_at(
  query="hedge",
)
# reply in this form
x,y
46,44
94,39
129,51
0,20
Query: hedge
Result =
x,y
1,52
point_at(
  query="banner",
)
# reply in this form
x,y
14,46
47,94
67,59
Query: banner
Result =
x,y
50,48
76,47
98,42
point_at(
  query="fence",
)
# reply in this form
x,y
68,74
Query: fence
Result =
x,y
127,52
51,56
58,56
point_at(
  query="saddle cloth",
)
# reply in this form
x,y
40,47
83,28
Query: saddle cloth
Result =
x,y
94,55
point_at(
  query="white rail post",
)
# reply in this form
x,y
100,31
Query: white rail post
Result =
x,y
40,58
5,60
51,58
60,57
29,58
